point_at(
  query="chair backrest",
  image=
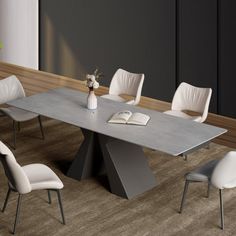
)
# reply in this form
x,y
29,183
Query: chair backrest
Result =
x,y
14,172
10,89
191,98
224,174
124,82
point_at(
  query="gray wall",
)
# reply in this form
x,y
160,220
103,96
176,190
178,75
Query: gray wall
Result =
x,y
198,45
136,35
227,61
169,40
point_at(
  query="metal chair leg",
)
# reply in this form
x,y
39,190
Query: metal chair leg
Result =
x,y
6,200
49,197
221,209
208,189
18,123
14,134
185,157
61,207
184,195
41,127
17,212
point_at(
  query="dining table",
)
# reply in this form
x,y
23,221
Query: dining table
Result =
x,y
117,149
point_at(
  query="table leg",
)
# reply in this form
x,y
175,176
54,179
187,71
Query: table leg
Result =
x,y
127,168
88,161
125,164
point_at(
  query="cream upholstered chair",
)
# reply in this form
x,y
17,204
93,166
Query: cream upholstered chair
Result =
x,y
27,178
220,174
11,89
124,82
191,98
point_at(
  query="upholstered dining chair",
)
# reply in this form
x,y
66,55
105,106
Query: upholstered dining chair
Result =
x,y
27,178
218,173
190,98
126,83
11,89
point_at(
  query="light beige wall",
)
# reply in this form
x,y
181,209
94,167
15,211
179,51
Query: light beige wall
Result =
x,y
19,32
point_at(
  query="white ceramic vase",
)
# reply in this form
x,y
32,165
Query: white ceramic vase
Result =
x,y
92,101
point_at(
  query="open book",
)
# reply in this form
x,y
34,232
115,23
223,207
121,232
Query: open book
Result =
x,y
127,117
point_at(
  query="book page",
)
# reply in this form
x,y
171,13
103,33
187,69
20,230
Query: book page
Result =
x,y
138,119
120,117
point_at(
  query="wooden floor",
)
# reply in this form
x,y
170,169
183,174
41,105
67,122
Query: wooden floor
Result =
x,y
92,210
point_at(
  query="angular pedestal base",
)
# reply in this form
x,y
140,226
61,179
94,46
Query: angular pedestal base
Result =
x,y
125,164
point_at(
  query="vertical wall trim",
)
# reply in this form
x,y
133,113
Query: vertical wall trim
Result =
x,y
39,34
218,25
177,65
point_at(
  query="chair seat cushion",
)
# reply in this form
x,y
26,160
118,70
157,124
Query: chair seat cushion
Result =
x,y
202,173
42,177
18,114
183,115
231,184
114,97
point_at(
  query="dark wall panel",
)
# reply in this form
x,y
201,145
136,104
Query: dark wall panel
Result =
x,y
227,52
137,35
197,44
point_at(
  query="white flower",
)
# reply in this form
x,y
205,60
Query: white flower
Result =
x,y
91,81
88,76
93,78
95,85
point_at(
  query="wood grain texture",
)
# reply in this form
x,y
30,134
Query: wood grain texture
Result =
x,y
39,81
91,210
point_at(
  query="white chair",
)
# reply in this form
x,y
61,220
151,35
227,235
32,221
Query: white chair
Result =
x,y
27,178
221,174
190,98
11,89
124,82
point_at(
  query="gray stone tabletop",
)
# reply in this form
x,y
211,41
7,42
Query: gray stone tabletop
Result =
x,y
163,132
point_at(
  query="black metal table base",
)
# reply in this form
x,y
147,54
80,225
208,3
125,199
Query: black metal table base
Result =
x,y
125,164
